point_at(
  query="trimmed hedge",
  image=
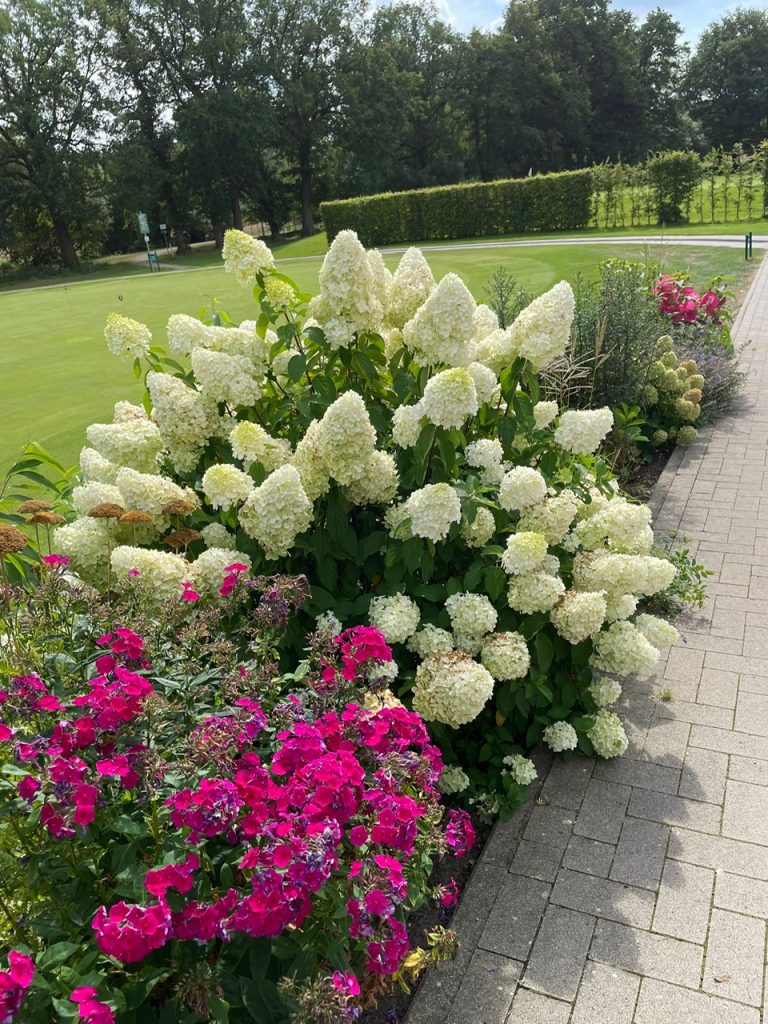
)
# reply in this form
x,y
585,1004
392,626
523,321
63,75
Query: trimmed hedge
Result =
x,y
546,202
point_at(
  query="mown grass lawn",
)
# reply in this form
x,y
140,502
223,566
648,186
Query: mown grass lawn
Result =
x,y
56,375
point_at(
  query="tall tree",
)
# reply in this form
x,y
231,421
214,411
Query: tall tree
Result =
x,y
727,78
304,50
52,110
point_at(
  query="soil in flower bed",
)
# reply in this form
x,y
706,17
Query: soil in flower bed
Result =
x,y
392,1009
644,478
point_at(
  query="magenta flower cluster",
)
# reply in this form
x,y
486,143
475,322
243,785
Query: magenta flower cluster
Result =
x,y
684,304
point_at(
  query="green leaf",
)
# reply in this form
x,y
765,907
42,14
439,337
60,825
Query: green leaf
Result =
x,y
296,366
544,651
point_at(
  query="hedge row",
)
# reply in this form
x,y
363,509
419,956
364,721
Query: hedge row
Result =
x,y
547,202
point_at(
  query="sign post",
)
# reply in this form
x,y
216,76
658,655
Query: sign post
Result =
x,y
164,230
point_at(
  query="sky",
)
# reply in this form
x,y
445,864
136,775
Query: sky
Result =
x,y
693,15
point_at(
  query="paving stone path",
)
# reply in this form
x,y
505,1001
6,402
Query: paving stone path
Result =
x,y
635,891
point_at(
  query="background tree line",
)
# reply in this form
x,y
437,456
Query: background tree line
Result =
x,y
204,113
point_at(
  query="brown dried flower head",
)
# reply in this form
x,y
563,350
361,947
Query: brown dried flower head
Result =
x,y
178,507
106,510
181,538
135,515
11,540
28,508
45,518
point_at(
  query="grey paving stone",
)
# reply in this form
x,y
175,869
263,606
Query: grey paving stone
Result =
x,y
536,860
718,852
659,1002
675,810
752,713
589,855
729,742
607,996
695,714
745,814
515,918
653,956
532,1008
684,664
666,742
603,898
486,992
748,769
550,825
559,953
718,688
704,774
735,957
641,774
741,895
567,783
602,811
683,901
640,853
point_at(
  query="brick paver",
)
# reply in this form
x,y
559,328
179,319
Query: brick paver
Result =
x,y
635,891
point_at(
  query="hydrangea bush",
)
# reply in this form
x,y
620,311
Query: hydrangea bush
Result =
x,y
198,839
388,439
672,398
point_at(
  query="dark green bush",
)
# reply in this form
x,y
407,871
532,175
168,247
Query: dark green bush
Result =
x,y
548,202
673,177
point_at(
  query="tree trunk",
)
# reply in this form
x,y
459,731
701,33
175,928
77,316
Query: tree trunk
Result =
x,y
237,212
305,173
218,236
66,245
183,248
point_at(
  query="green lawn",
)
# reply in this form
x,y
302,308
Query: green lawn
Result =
x,y
57,377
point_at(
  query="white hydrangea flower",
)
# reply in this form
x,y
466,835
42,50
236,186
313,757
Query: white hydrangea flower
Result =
x,y
552,517
643,575
524,552
207,571
485,380
396,522
544,413
520,487
441,329
560,736
607,735
604,691
87,543
397,617
483,322
279,293
495,350
348,302
182,416
623,649
536,591
621,525
472,615
406,424
541,331
430,640
225,378
245,257
451,688
277,512
327,622
505,655
619,606
383,280
149,492
377,483
521,769
450,397
185,334
477,533
346,438
135,443
578,615
393,341
125,411
243,342
309,462
87,496
127,338
411,286
433,510
93,466
657,631
161,572
453,780
215,535
581,431
251,443
382,672
484,454
225,485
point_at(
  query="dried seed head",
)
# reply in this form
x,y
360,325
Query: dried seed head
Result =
x,y
178,507
106,510
28,508
181,538
45,518
135,515
11,540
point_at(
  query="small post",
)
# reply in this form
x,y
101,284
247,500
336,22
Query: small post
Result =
x,y
746,247
750,245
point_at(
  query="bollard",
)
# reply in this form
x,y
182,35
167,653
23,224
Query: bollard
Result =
x,y
750,245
